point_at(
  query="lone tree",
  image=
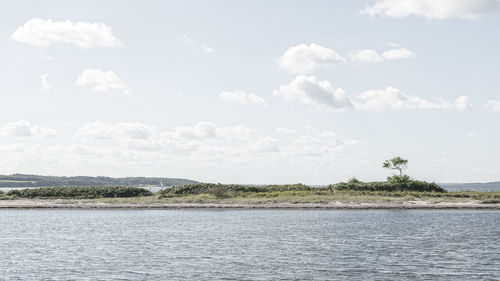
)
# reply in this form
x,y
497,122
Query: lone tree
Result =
x,y
396,163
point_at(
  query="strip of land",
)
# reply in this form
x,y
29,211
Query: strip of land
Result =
x,y
353,195
152,204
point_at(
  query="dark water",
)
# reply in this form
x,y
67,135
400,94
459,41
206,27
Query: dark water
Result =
x,y
249,245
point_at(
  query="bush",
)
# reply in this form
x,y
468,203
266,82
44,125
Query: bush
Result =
x,y
399,179
82,192
396,183
220,192
212,188
399,184
290,187
354,180
199,188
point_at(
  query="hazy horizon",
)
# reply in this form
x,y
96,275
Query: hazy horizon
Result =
x,y
314,92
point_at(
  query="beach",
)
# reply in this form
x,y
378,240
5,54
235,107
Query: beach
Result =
x,y
122,204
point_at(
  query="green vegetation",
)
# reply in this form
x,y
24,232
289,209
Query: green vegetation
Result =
x,y
231,190
212,188
395,183
396,163
399,182
321,195
22,180
80,192
242,194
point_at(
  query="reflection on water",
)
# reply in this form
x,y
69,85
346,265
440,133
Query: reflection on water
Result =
x,y
248,245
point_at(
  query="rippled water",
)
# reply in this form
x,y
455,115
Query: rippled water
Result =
x,y
249,245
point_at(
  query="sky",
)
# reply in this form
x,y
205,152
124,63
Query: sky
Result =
x,y
315,92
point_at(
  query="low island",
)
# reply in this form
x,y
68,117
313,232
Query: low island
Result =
x,y
349,195
398,192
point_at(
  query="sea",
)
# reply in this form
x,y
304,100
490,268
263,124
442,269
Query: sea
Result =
x,y
230,244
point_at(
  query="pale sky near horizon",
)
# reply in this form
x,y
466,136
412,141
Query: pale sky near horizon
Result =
x,y
251,91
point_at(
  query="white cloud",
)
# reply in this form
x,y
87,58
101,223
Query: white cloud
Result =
x,y
463,102
311,91
242,97
202,130
102,81
101,130
45,82
398,53
239,133
305,58
369,56
23,128
472,134
41,32
318,144
393,98
431,9
493,105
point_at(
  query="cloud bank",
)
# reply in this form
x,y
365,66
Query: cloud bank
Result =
x,y
431,9
311,91
42,33
204,150
304,58
23,128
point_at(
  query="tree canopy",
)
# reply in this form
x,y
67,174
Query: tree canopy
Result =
x,y
396,163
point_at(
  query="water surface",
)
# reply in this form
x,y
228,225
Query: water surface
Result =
x,y
249,245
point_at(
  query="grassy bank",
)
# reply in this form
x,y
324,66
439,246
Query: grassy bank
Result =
x,y
353,191
325,196
307,197
232,190
247,194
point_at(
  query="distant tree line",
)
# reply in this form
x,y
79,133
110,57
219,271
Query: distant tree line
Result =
x,y
22,180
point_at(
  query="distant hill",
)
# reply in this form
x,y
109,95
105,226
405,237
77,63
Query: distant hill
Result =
x,y
484,186
22,180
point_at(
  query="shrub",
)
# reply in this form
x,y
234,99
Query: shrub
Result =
x,y
220,192
394,185
398,183
354,180
14,192
289,187
212,188
399,179
83,192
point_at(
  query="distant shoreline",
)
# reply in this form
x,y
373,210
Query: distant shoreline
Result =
x,y
81,204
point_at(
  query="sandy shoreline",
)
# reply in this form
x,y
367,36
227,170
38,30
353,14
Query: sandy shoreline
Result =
x,y
77,204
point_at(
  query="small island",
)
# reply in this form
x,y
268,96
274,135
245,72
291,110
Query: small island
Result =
x,y
398,192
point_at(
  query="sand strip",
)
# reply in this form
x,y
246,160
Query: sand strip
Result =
x,y
76,204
